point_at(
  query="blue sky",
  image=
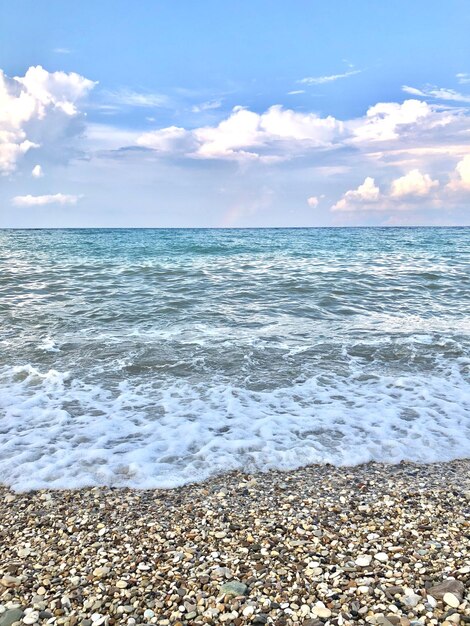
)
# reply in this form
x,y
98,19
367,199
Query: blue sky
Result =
x,y
242,113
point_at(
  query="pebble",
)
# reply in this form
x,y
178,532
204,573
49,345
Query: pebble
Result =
x,y
31,618
10,616
451,600
373,544
233,588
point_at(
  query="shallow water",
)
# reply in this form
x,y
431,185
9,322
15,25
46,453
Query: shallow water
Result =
x,y
152,358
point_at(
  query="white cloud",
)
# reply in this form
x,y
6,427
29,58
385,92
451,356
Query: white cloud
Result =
x,y
171,140
37,172
62,51
461,177
388,120
206,106
463,78
128,97
296,92
275,134
321,80
57,198
38,107
367,193
438,93
313,201
413,184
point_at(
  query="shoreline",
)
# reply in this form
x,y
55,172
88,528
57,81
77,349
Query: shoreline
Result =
x,y
316,545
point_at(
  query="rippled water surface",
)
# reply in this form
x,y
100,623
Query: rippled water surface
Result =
x,y
157,357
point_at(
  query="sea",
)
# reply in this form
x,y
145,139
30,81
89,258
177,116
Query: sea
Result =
x,y
152,358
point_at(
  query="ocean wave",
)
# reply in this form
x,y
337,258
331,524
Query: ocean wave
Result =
x,y
60,432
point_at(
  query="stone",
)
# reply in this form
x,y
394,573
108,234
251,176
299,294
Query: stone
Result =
x,y
101,572
363,561
451,600
31,618
321,611
381,556
450,585
10,581
234,588
412,599
261,618
10,617
384,621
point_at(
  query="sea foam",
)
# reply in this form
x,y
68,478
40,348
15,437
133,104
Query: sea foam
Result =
x,y
59,432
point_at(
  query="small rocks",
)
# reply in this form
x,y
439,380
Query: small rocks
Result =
x,y
10,581
450,585
10,616
451,600
412,599
101,572
121,584
31,617
320,610
234,588
319,546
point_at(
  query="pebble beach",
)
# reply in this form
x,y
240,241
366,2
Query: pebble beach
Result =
x,y
372,544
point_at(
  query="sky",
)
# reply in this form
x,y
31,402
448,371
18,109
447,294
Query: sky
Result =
x,y
234,114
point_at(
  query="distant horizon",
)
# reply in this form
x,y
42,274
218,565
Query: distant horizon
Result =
x,y
357,227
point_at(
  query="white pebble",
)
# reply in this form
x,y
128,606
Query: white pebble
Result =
x,y
451,600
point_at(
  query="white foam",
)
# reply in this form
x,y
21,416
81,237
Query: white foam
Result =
x,y
58,432
49,345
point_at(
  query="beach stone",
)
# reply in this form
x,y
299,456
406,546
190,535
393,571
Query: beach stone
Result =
x,y
321,611
363,561
381,556
412,599
31,618
450,585
451,600
10,617
101,572
10,581
384,621
234,588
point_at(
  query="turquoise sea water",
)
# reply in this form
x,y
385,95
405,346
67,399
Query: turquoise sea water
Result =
x,y
157,357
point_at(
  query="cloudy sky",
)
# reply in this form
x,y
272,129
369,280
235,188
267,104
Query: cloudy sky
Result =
x,y
248,113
